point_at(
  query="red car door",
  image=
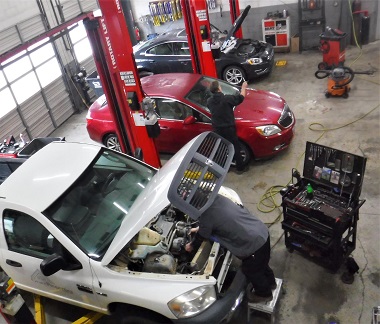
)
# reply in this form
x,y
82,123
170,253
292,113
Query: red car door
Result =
x,y
179,124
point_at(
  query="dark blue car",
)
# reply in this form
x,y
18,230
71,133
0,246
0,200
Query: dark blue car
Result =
x,y
236,59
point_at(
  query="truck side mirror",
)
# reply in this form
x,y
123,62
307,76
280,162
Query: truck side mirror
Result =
x,y
52,264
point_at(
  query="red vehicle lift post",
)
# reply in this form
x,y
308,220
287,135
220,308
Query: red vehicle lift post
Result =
x,y
113,55
235,12
197,23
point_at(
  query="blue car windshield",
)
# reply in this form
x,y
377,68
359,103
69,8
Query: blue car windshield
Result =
x,y
200,92
91,211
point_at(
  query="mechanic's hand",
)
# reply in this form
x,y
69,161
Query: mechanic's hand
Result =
x,y
188,247
194,230
244,85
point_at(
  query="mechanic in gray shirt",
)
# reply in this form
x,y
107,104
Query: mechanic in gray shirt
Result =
x,y
245,236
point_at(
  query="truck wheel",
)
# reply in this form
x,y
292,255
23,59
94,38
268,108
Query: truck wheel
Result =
x,y
137,316
137,320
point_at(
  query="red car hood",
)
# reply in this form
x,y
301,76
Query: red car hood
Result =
x,y
261,107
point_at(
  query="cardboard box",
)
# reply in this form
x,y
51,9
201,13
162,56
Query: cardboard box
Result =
x,y
294,44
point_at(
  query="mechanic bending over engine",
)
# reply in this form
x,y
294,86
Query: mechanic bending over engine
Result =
x,y
246,237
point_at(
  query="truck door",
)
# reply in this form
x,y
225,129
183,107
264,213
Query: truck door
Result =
x,y
25,243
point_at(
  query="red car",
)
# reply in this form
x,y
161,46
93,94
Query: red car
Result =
x,y
264,121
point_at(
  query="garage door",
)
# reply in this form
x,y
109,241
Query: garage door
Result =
x,y
34,89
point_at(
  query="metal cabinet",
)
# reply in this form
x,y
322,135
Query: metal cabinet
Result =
x,y
277,32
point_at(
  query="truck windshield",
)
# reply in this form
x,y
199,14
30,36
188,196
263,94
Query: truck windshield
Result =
x,y
91,211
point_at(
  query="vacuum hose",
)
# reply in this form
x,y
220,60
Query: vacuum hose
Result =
x,y
342,74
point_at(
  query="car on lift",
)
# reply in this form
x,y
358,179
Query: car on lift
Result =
x,y
264,120
13,153
8,166
95,228
236,59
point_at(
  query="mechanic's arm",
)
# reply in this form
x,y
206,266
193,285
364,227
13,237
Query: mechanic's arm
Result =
x,y
243,90
196,241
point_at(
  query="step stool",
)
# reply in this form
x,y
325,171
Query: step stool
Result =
x,y
267,307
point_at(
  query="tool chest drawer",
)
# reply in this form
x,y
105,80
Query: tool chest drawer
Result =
x,y
322,240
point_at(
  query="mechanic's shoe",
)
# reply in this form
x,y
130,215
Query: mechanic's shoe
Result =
x,y
273,286
253,298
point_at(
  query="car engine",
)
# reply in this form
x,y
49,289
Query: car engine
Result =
x,y
159,247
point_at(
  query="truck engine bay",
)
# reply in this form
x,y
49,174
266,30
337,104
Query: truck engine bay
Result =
x,y
159,247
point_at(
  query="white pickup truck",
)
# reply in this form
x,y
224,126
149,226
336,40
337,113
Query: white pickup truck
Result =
x,y
94,228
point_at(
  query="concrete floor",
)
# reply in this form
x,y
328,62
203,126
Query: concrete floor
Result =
x,y
311,294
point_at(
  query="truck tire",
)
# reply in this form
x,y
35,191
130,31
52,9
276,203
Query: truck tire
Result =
x,y
139,316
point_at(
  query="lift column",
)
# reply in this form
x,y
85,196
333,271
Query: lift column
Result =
x,y
113,54
197,25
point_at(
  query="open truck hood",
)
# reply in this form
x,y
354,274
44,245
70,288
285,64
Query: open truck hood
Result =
x,y
200,166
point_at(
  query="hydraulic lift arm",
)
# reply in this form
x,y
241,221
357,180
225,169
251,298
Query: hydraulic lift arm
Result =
x,y
113,54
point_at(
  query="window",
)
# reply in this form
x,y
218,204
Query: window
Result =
x,y
42,54
25,87
26,72
82,50
169,109
81,44
181,48
26,235
48,72
17,67
163,49
7,102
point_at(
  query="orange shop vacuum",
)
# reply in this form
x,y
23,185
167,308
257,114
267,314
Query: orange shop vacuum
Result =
x,y
338,82
339,79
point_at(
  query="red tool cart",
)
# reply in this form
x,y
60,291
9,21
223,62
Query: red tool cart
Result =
x,y
321,209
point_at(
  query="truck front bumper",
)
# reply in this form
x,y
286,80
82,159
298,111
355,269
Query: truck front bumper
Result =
x,y
223,308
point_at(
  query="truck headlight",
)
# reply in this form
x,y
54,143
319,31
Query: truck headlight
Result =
x,y
268,130
193,301
254,61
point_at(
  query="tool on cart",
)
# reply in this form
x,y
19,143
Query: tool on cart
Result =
x,y
339,79
323,226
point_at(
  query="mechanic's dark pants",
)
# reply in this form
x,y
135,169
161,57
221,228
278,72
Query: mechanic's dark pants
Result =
x,y
256,269
229,133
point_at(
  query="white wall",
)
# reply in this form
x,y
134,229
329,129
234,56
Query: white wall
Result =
x,y
141,7
14,11
259,9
